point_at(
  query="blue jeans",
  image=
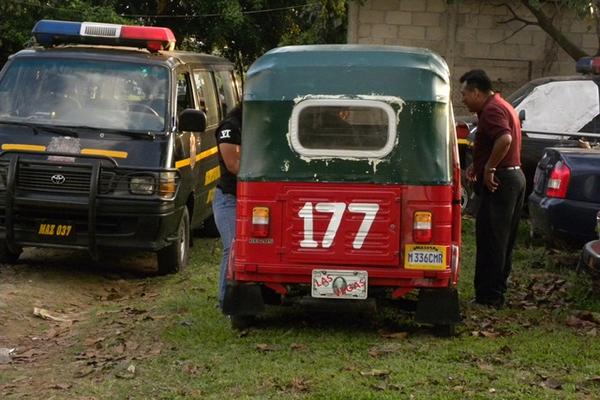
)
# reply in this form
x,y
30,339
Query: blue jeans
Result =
x,y
223,206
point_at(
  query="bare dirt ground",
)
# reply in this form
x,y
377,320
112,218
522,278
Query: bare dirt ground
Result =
x,y
64,317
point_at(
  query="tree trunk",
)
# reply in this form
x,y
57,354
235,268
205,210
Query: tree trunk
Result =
x,y
546,24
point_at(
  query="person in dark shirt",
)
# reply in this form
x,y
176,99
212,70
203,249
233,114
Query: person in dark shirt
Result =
x,y
229,140
500,183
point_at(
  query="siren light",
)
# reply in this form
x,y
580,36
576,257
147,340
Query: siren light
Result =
x,y
588,65
49,33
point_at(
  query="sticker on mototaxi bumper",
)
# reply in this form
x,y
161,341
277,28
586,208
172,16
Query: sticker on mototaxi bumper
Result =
x,y
429,257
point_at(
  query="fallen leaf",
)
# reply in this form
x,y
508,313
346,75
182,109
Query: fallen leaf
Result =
x,y
264,347
379,351
505,350
191,369
380,386
61,386
299,385
45,314
485,367
298,347
551,384
394,335
84,372
376,372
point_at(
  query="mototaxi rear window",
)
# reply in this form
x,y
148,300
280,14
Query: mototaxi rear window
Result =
x,y
343,128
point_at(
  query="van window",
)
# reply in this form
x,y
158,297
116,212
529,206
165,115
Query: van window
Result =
x,y
184,93
228,98
97,94
356,128
207,98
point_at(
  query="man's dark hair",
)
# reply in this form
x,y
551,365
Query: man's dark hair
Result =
x,y
477,79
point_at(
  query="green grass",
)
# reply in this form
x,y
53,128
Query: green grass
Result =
x,y
296,353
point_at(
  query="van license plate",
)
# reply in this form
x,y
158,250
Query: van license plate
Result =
x,y
339,284
56,230
417,256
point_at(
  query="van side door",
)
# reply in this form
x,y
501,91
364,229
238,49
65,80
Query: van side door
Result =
x,y
207,162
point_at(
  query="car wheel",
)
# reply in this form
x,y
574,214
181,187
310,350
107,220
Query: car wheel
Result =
x,y
7,255
174,257
468,199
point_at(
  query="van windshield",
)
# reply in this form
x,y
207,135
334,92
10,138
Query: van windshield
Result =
x,y
91,93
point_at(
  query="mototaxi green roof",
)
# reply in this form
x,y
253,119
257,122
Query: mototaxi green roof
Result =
x,y
284,73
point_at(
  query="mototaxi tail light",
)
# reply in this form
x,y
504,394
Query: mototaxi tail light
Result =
x,y
422,232
558,183
260,222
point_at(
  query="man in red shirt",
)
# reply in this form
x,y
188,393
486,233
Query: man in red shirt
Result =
x,y
500,183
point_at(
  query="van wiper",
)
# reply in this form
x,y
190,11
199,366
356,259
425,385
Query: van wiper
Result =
x,y
36,128
112,130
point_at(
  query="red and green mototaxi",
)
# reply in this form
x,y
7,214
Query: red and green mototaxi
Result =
x,y
306,197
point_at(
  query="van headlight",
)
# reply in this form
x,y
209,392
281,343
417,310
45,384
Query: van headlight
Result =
x,y
142,185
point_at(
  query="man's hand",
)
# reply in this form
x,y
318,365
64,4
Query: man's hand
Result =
x,y
471,177
490,181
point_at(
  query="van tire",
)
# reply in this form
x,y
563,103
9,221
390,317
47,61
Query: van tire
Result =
x,y
174,257
7,255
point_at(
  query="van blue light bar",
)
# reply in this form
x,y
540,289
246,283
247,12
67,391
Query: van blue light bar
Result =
x,y
588,65
50,33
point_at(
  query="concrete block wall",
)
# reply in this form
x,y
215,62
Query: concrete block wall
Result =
x,y
472,34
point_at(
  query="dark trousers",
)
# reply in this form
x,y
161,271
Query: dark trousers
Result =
x,y
495,233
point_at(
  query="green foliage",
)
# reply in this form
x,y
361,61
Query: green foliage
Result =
x,y
19,17
240,30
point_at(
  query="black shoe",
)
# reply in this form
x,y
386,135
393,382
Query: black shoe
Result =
x,y
495,303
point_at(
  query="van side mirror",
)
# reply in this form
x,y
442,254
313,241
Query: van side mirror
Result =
x,y
192,120
522,116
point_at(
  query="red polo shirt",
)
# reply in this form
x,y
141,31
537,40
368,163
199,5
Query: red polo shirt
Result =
x,y
497,118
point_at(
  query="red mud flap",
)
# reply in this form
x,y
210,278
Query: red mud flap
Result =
x,y
438,307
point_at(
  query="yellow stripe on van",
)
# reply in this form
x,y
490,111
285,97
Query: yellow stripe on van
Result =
x,y
204,154
212,175
101,152
24,147
211,195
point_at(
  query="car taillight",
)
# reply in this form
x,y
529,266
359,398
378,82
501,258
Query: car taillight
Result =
x,y
422,227
558,183
260,222
462,131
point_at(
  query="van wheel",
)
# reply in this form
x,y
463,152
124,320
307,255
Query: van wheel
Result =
x,y
7,255
174,257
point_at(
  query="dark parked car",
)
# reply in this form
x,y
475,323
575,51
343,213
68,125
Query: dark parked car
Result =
x,y
566,195
590,255
555,112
